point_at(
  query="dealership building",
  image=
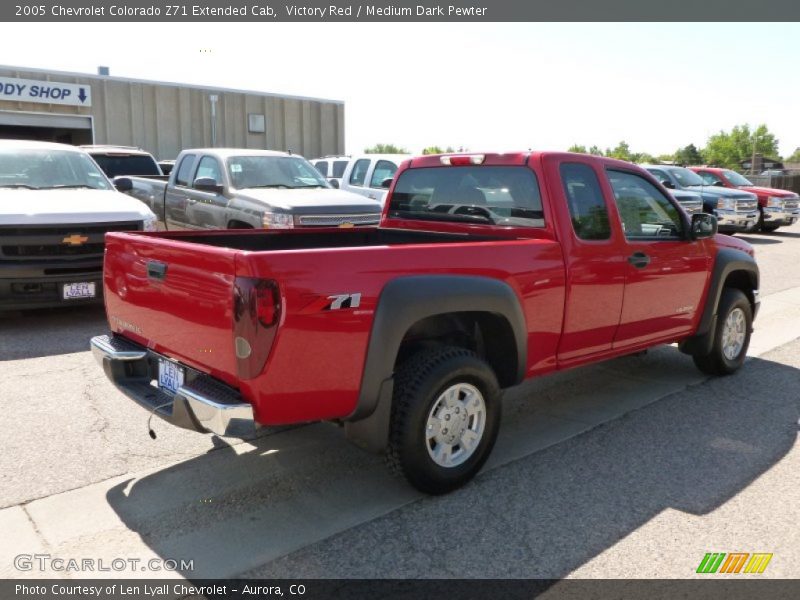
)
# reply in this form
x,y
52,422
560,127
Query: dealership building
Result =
x,y
162,118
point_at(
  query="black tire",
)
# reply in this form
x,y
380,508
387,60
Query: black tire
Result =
x,y
769,228
716,362
418,385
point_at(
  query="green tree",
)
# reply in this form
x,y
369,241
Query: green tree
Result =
x,y
688,155
596,151
437,150
794,158
728,149
577,148
621,152
642,158
385,149
665,158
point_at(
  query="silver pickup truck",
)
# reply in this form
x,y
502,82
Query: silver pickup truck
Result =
x,y
225,188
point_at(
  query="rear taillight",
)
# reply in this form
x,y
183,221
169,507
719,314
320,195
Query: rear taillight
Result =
x,y
256,314
463,161
268,303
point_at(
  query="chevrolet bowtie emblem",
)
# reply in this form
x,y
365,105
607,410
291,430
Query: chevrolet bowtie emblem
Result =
x,y
76,239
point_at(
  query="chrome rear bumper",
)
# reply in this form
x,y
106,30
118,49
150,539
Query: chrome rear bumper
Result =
x,y
201,404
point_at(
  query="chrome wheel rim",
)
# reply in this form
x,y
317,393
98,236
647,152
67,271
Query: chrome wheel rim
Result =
x,y
734,332
455,425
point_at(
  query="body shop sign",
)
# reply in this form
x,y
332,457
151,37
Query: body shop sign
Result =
x,y
46,92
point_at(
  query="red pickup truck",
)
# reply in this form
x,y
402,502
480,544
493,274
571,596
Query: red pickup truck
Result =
x,y
775,207
487,269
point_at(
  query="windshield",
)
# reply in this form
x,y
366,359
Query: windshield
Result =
x,y
493,195
737,180
273,172
49,169
126,164
686,178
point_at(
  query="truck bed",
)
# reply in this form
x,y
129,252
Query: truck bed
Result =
x,y
262,240
179,295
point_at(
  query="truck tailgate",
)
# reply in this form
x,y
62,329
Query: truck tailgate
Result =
x,y
176,299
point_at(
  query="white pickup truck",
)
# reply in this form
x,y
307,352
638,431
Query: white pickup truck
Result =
x,y
56,206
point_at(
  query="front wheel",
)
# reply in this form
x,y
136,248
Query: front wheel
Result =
x,y
732,335
445,418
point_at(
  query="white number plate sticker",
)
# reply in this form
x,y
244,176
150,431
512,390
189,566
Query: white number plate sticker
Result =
x,y
170,375
79,290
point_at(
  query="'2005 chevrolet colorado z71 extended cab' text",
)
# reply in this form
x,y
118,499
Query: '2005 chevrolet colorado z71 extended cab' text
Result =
x,y
486,270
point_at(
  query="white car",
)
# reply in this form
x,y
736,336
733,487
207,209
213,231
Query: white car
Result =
x,y
368,174
56,206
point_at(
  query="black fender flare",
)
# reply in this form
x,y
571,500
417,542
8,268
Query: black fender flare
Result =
x,y
402,303
726,262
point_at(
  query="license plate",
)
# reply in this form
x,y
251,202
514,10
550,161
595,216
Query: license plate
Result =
x,y
170,375
79,290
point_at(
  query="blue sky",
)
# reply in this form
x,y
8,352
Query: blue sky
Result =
x,y
487,86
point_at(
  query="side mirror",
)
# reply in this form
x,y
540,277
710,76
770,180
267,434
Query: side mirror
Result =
x,y
123,184
207,184
668,184
719,184
703,226
334,183
387,183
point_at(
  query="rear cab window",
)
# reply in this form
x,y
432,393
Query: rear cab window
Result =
x,y
494,195
114,165
338,168
587,207
184,172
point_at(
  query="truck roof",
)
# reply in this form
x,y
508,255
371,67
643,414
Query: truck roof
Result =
x,y
35,145
228,152
511,158
99,148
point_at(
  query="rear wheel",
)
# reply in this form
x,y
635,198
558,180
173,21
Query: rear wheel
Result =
x,y
732,335
769,228
445,418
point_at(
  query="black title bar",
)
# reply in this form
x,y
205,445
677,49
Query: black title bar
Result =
x,y
418,11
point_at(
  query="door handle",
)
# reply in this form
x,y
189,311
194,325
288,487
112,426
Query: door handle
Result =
x,y
639,260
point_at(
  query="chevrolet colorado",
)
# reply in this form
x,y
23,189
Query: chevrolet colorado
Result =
x,y
55,207
487,269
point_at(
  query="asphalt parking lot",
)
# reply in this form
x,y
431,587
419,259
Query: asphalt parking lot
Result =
x,y
632,468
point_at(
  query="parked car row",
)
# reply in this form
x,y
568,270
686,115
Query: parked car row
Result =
x,y
738,204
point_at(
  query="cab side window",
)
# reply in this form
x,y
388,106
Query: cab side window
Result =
x,y
384,169
709,178
209,167
359,173
185,170
645,212
585,200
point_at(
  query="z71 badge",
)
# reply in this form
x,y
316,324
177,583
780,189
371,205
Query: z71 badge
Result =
x,y
333,302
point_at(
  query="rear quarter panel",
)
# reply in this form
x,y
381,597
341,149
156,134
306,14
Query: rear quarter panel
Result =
x,y
315,368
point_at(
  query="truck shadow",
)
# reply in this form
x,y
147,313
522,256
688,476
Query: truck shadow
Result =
x,y
541,516
49,331
756,241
